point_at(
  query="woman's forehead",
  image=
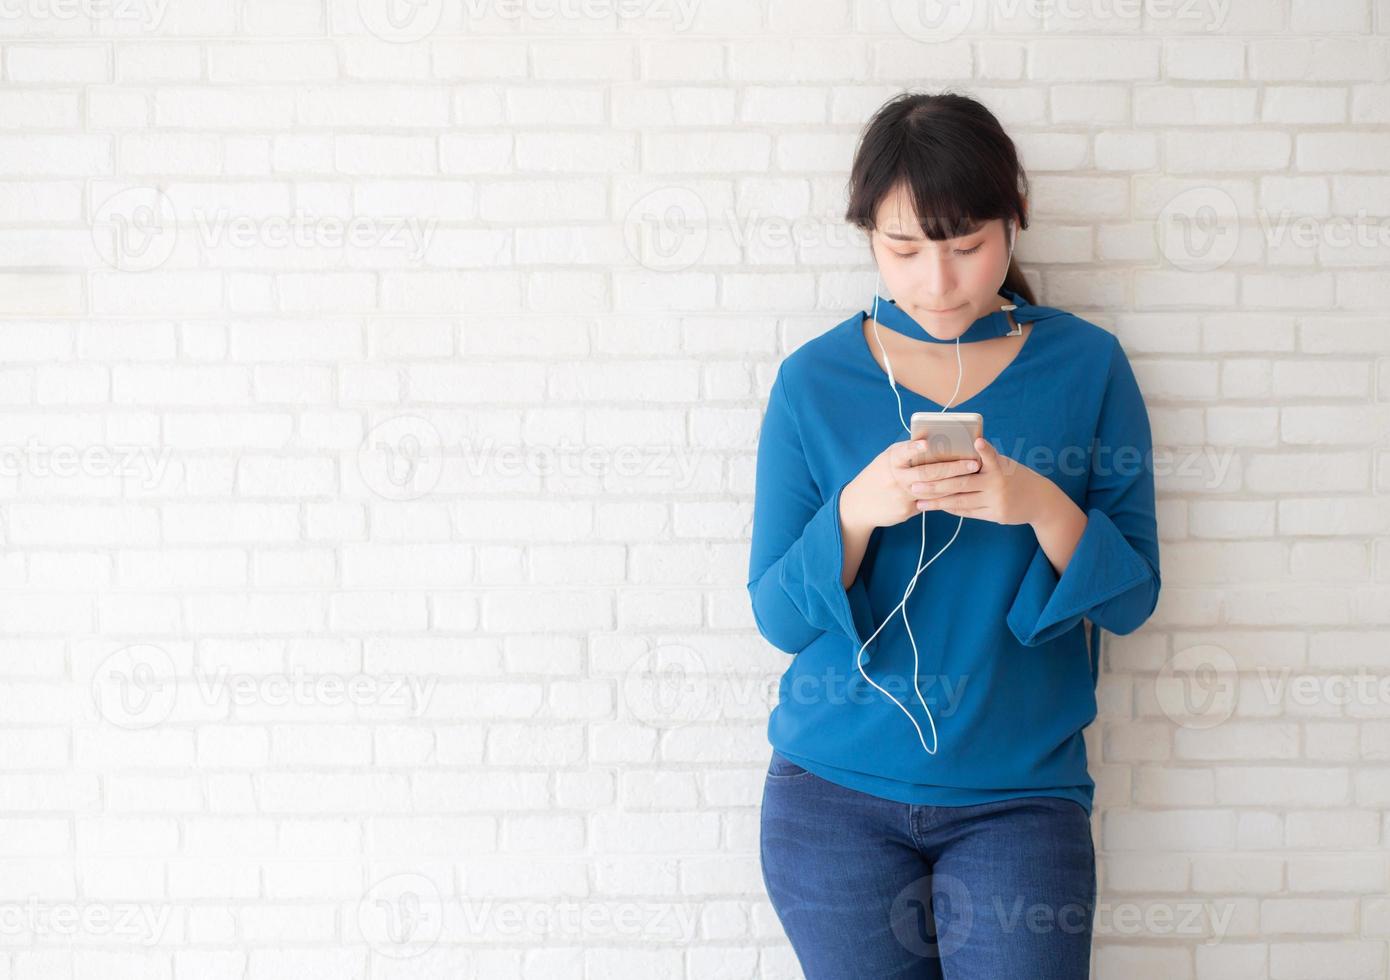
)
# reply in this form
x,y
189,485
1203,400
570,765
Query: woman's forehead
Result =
x,y
896,218
910,231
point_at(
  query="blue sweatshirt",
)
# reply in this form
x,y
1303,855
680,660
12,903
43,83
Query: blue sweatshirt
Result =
x,y
1004,661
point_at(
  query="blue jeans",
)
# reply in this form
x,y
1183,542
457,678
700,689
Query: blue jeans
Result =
x,y
868,887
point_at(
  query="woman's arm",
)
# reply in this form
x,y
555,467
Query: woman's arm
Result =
x,y
799,546
855,537
1059,527
1100,563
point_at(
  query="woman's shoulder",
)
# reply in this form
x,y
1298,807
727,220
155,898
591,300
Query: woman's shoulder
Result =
x,y
830,343
1088,349
842,349
1065,325
828,352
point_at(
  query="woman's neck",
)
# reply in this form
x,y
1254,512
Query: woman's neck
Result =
x,y
896,341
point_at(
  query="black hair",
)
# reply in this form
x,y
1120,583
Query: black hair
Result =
x,y
958,165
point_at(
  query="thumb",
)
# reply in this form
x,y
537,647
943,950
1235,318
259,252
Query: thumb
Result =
x,y
989,457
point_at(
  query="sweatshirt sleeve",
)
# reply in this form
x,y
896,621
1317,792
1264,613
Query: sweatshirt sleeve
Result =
x,y
1113,576
797,551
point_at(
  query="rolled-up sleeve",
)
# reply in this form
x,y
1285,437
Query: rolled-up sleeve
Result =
x,y
1113,576
797,549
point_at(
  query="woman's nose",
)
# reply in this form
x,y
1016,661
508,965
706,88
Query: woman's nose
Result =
x,y
936,275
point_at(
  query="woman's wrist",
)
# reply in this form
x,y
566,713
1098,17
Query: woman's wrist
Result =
x,y
1054,508
1059,526
854,535
852,517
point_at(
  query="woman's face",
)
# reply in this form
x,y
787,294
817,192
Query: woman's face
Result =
x,y
945,286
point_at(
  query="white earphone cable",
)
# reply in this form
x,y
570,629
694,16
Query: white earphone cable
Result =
x,y
912,583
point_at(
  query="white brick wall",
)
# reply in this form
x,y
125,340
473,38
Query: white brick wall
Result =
x,y
379,402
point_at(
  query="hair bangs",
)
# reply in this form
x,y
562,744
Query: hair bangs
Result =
x,y
947,202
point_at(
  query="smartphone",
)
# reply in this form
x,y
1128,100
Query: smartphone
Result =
x,y
949,435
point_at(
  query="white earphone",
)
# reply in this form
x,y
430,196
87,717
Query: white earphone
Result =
x,y
912,584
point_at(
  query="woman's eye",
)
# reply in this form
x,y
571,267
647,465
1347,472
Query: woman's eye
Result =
x,y
959,251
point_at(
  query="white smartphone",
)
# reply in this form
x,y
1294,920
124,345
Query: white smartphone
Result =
x,y
949,435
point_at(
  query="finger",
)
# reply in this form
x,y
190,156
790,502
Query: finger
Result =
x,y
945,488
953,511
907,453
971,512
954,503
940,470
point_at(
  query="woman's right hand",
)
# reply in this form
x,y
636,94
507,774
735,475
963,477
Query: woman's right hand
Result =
x,y
881,495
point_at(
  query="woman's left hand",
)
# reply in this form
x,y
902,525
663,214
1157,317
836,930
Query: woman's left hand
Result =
x,y
1004,490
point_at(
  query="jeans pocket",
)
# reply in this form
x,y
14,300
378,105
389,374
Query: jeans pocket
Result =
x,y
781,767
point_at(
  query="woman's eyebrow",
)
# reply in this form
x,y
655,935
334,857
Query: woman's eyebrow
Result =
x,y
899,236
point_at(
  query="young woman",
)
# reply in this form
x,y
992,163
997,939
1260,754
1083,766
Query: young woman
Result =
x,y
926,811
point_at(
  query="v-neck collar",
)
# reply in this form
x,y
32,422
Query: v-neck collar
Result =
x,y
987,327
862,343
